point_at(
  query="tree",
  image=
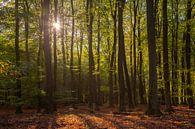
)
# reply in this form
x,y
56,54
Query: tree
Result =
x,y
98,57
17,51
62,42
80,52
153,104
134,81
120,56
71,52
188,53
165,59
49,107
183,79
142,89
92,82
174,31
39,55
113,54
26,20
55,46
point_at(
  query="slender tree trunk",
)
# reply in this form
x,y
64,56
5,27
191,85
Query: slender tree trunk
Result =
x,y
158,25
131,103
165,59
49,107
188,54
134,53
142,90
98,59
73,90
80,90
183,79
26,10
18,79
113,55
39,55
174,52
153,102
131,58
55,47
62,43
122,68
92,82
172,57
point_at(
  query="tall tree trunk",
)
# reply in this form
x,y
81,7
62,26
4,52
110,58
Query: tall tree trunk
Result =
x,y
153,102
39,55
165,59
55,47
122,66
73,90
188,54
183,79
158,25
49,107
80,88
131,102
176,49
98,59
62,43
113,54
131,59
18,79
134,52
26,22
92,82
142,90
174,52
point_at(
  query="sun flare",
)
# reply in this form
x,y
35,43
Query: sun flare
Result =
x,y
56,25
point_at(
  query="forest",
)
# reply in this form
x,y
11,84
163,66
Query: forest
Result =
x,y
97,64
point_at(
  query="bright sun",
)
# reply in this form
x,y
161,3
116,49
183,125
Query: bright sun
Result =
x,y
56,25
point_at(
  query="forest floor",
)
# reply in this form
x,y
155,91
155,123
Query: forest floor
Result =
x,y
81,118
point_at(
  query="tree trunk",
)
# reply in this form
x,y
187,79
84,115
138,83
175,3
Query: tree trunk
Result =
x,y
131,59
142,90
188,54
165,59
158,25
55,47
80,90
113,56
98,60
73,90
62,43
121,56
49,107
183,79
134,53
153,102
92,82
17,51
39,55
174,52
26,23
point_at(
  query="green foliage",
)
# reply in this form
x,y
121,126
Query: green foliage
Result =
x,y
9,72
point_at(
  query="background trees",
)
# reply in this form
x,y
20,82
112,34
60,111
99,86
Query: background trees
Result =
x,y
94,39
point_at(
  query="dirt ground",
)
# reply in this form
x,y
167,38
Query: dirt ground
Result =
x,y
106,118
